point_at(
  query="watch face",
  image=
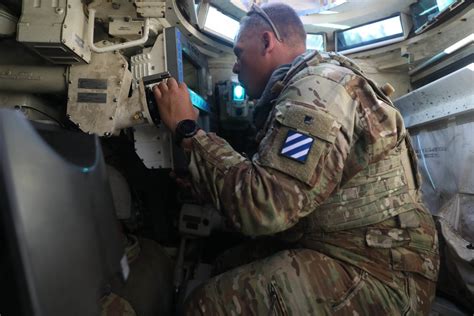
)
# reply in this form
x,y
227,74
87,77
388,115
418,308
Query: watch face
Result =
x,y
187,127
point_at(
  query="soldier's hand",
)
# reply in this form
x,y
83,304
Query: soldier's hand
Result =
x,y
174,103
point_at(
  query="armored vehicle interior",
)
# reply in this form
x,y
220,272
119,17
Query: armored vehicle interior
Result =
x,y
95,197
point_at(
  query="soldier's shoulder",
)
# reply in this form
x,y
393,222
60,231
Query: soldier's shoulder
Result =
x,y
328,69
321,86
329,75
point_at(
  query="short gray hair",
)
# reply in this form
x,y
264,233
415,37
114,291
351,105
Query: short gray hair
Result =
x,y
285,19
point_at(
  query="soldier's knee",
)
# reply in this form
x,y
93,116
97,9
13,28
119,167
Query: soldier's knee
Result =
x,y
200,302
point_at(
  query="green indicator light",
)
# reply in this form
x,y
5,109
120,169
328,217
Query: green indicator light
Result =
x,y
238,93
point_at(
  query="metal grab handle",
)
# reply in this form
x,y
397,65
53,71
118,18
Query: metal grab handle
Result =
x,y
90,31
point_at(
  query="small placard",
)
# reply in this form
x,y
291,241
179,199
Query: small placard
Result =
x,y
84,83
92,97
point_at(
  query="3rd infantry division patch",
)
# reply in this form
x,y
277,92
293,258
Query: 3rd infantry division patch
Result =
x,y
297,146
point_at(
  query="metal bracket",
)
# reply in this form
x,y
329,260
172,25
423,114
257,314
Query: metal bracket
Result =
x,y
90,36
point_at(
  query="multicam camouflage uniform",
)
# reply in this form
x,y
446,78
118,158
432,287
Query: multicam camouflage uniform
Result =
x,y
335,176
114,305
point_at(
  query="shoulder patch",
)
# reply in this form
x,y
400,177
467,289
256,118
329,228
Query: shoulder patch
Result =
x,y
296,146
299,136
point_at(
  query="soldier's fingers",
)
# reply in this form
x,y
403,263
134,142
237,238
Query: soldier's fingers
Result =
x,y
172,84
163,87
156,92
183,85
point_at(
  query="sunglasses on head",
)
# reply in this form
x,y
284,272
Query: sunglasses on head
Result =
x,y
255,9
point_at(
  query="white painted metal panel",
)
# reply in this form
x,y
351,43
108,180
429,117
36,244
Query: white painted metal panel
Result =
x,y
449,96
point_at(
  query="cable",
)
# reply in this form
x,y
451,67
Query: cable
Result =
x,y
41,112
424,162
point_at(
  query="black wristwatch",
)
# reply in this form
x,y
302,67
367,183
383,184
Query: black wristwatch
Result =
x,y
185,129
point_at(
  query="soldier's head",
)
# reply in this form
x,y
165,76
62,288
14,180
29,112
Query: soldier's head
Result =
x,y
268,37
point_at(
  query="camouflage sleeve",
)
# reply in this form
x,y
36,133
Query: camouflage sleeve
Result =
x,y
299,163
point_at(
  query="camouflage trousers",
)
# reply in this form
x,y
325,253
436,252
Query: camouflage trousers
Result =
x,y
306,282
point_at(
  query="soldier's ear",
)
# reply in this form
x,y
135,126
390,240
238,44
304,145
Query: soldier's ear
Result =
x,y
268,41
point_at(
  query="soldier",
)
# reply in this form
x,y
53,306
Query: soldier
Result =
x,y
335,179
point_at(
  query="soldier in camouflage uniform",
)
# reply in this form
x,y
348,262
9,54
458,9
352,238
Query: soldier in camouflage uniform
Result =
x,y
334,178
